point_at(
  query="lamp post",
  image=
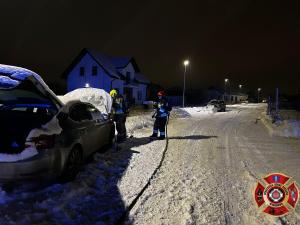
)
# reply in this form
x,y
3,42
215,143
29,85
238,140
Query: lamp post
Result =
x,y
240,87
258,92
226,81
185,63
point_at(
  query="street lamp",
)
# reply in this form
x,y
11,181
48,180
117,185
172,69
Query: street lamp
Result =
x,y
226,81
258,91
185,63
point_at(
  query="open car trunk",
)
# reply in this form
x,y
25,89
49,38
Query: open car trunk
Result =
x,y
15,127
24,105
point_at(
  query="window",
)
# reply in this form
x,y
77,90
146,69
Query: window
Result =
x,y
128,78
81,71
79,113
94,71
95,113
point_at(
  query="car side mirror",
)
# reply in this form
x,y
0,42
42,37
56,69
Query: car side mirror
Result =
x,y
62,116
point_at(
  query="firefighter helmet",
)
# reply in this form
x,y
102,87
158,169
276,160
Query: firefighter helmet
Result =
x,y
113,93
161,93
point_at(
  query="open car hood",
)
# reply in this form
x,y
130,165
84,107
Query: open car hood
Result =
x,y
12,76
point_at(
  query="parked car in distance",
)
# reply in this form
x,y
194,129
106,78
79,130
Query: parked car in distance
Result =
x,y
218,104
42,138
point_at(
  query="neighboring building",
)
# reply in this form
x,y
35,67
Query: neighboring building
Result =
x,y
94,69
230,98
235,98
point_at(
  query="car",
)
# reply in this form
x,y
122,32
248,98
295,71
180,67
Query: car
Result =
x,y
41,137
218,104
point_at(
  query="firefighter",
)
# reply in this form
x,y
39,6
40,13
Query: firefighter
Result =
x,y
161,115
119,111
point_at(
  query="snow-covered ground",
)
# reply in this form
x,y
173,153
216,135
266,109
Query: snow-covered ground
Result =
x,y
211,168
100,193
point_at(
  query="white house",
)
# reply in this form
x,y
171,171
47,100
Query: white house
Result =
x,y
94,69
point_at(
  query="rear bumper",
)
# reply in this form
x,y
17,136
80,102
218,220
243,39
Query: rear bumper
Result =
x,y
46,165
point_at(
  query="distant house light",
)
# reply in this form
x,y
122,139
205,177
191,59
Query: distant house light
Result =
x,y
87,85
94,71
81,71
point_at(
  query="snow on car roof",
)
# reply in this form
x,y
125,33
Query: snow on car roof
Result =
x,y
97,97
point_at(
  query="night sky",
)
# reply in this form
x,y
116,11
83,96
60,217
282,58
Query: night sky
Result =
x,y
255,43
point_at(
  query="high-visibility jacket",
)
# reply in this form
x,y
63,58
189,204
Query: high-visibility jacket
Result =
x,y
162,108
119,106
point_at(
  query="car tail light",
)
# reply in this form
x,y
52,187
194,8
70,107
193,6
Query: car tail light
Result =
x,y
43,142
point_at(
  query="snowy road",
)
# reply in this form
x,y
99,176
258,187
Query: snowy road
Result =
x,y
211,168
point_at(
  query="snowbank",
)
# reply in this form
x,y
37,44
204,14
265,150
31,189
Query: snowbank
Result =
x,y
98,97
288,126
195,111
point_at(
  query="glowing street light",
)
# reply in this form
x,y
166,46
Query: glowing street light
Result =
x,y
225,95
185,63
240,86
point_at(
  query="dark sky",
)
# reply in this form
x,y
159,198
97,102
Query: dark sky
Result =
x,y
254,42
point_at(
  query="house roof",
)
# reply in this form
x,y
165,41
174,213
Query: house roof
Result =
x,y
102,60
110,64
141,78
120,62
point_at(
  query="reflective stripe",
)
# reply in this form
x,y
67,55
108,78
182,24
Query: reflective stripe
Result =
x,y
163,115
119,112
162,133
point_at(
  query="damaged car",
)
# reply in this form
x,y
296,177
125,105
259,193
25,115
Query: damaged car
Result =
x,y
41,137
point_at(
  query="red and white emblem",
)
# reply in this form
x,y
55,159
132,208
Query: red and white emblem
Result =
x,y
276,194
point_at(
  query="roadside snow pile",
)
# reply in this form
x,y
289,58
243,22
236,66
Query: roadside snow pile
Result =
x,y
291,128
287,126
198,111
134,123
98,97
248,105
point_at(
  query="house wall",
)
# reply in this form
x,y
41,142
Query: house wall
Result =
x,y
102,80
234,98
142,88
128,68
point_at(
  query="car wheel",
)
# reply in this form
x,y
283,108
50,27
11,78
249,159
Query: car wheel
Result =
x,y
73,164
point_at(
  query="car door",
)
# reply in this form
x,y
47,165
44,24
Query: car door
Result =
x,y
85,126
102,126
